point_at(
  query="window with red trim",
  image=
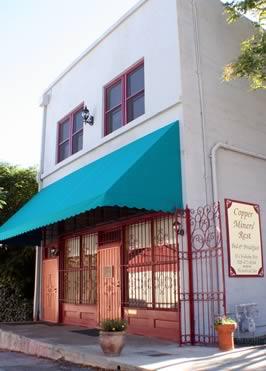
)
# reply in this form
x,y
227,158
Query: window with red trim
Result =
x,y
70,134
124,98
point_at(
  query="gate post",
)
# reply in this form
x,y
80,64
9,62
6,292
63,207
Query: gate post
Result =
x,y
190,277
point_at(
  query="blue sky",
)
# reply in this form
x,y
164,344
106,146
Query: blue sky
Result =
x,y
39,39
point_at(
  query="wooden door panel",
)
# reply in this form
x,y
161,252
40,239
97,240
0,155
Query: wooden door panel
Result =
x,y
79,314
109,291
163,324
50,290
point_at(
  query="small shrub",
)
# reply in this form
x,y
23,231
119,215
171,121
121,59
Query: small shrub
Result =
x,y
113,325
14,307
223,320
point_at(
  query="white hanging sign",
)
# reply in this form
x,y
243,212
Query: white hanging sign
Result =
x,y
244,239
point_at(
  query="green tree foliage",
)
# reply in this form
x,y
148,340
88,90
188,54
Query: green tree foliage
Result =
x,y
2,198
251,63
17,186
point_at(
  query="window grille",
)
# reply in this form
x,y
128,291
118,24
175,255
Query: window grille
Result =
x,y
151,260
78,273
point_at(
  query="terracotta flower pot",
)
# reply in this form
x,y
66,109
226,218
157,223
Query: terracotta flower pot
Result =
x,y
112,343
226,336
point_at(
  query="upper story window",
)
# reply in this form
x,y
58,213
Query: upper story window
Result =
x,y
70,134
124,98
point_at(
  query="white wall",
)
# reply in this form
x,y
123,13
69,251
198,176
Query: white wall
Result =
x,y
150,33
243,178
215,111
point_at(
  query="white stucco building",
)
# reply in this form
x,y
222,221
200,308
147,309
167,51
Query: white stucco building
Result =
x,y
156,72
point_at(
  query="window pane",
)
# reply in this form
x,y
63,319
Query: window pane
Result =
x,y
78,121
72,271
63,151
140,286
63,131
89,277
135,81
114,120
114,94
135,107
77,142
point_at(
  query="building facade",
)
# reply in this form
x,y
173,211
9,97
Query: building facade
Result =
x,y
131,219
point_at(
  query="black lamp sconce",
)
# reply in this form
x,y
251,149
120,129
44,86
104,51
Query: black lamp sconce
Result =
x,y
54,251
87,117
178,228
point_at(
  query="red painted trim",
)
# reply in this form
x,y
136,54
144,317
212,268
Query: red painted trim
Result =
x,y
114,108
124,106
153,284
127,71
71,133
61,246
81,268
190,275
107,111
178,281
123,78
230,269
222,252
134,95
112,225
104,110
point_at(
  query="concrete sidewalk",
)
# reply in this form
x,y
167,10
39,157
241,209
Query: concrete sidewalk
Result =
x,y
140,353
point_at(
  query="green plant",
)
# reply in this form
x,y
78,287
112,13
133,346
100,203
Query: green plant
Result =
x,y
113,325
223,320
17,263
251,63
14,307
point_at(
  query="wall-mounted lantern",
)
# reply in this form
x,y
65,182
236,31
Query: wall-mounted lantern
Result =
x,y
178,228
54,251
87,117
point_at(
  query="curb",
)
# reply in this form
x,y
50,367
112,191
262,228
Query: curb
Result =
x,y
18,343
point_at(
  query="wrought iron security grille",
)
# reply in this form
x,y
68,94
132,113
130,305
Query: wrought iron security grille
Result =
x,y
78,277
150,258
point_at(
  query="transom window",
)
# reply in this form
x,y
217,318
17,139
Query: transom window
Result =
x,y
124,98
70,134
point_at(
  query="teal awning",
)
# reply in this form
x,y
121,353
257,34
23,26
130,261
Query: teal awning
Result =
x,y
144,174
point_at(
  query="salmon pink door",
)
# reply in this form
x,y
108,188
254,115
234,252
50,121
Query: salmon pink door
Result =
x,y
109,291
50,290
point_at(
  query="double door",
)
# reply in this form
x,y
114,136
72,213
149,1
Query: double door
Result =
x,y
108,285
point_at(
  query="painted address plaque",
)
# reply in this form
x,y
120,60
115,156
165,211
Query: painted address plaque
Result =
x,y
108,271
244,239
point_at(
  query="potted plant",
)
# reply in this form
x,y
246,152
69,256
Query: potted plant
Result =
x,y
225,327
112,336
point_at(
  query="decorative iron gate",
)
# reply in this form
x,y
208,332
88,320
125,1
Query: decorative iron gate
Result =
x,y
201,263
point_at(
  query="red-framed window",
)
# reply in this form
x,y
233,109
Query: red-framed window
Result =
x,y
124,98
70,134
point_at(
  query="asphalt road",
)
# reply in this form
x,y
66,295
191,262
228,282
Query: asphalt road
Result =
x,y
12,361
